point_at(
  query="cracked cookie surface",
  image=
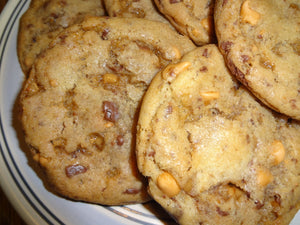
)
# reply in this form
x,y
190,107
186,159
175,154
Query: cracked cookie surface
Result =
x,y
261,45
81,101
212,153
44,19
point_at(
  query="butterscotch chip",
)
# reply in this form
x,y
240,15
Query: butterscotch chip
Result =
x,y
277,151
167,184
259,40
192,18
264,177
249,15
86,123
213,154
44,19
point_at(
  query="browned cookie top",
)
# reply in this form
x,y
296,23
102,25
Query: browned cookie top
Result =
x,y
193,18
140,9
44,19
80,105
212,153
261,44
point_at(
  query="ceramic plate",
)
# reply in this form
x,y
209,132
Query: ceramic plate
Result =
x,y
18,179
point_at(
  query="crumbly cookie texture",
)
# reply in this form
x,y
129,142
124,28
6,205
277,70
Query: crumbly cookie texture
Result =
x,y
81,101
260,42
44,19
138,9
193,18
212,153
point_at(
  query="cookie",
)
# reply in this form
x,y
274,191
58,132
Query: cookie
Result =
x,y
192,18
139,9
260,42
44,19
212,153
81,101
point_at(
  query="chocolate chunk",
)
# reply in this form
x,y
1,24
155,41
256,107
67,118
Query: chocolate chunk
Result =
x,y
277,198
226,46
105,33
175,1
224,3
73,170
120,140
132,191
245,58
259,204
239,74
203,69
205,53
221,212
110,110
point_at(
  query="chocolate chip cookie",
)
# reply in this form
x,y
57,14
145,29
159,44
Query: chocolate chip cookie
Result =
x,y
212,153
81,101
260,42
193,18
44,19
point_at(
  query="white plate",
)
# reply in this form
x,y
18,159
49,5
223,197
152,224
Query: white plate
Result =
x,y
19,181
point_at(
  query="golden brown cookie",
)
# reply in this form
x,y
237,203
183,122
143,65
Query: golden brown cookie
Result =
x,y
193,18
44,19
81,101
261,44
212,153
138,9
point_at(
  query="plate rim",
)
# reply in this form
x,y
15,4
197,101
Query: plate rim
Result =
x,y
11,182
15,186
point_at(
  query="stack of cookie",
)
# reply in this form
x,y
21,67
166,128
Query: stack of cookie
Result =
x,y
195,104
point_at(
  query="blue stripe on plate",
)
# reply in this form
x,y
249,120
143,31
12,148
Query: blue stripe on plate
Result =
x,y
11,22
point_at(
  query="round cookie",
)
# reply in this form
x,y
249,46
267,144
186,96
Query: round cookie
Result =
x,y
81,101
212,153
139,9
260,42
193,18
44,19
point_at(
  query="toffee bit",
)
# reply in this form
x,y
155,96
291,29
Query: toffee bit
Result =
x,y
113,172
59,143
97,140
